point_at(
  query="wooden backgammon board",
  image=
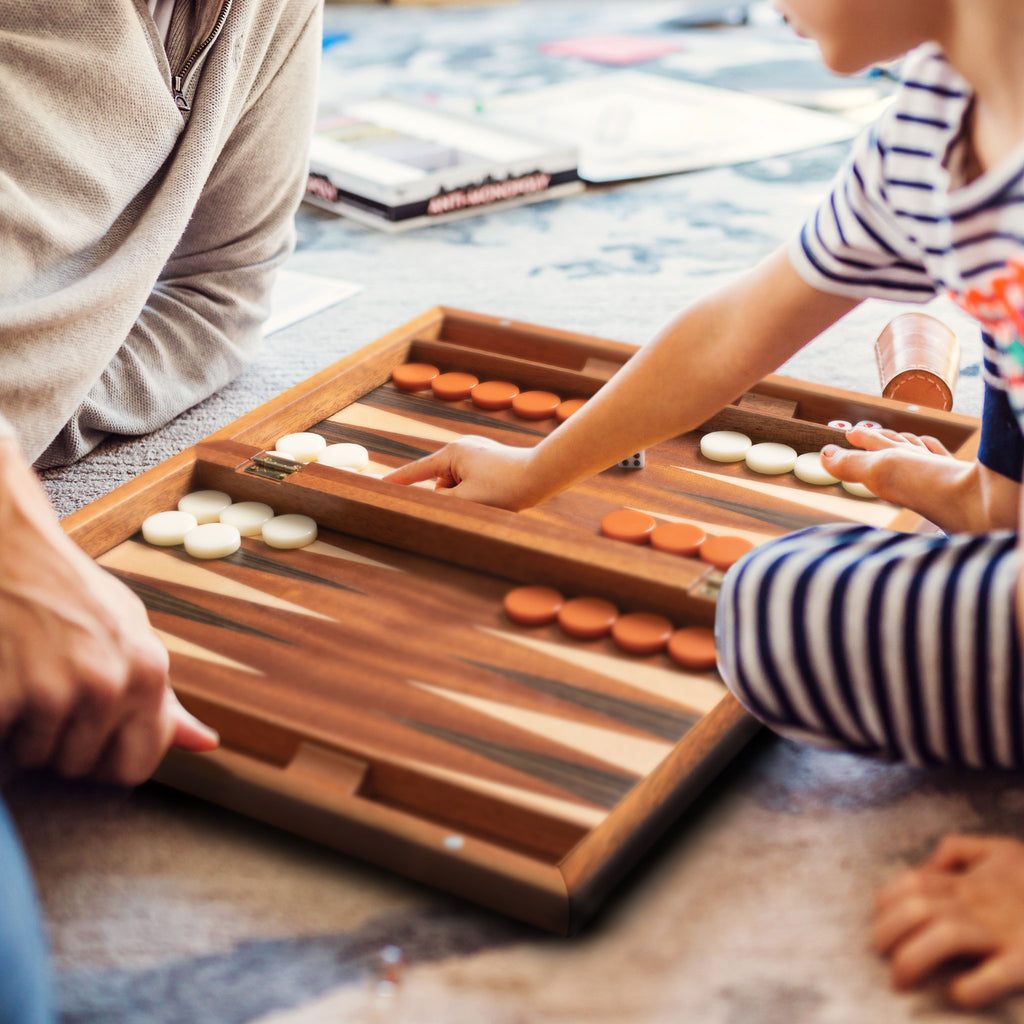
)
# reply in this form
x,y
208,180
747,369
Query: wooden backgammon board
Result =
x,y
369,690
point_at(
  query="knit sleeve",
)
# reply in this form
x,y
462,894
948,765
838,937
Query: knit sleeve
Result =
x,y
202,323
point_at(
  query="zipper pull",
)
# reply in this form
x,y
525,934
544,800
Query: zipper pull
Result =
x,y
179,97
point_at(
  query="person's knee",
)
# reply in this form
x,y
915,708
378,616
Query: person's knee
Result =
x,y
773,611
742,632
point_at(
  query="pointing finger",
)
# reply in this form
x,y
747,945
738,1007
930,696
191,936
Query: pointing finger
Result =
x,y
427,468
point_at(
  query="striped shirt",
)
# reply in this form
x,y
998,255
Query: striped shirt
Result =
x,y
902,223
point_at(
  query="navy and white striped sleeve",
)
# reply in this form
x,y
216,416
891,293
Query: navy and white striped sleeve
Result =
x,y
886,220
853,244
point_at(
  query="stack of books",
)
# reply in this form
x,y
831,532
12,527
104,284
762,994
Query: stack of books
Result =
x,y
396,165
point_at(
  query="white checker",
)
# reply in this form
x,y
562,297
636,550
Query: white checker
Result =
x,y
771,458
868,425
247,517
212,540
206,506
290,531
808,468
166,529
344,456
843,425
725,446
857,490
302,447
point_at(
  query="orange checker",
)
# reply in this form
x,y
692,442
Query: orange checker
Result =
x,y
533,606
693,647
453,386
413,376
565,409
721,552
587,618
629,525
535,405
678,538
642,632
494,394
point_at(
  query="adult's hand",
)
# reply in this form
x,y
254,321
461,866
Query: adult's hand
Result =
x,y
84,685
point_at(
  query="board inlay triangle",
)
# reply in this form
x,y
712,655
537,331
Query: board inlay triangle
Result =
x,y
161,564
357,415
176,645
688,690
858,510
632,753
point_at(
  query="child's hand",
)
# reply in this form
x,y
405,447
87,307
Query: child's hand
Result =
x,y
474,468
889,464
916,472
963,909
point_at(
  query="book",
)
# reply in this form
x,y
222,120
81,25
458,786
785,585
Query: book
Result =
x,y
396,165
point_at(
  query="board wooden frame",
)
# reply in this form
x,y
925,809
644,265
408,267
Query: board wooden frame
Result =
x,y
430,834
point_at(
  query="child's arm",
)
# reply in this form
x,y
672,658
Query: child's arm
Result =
x,y
919,473
962,909
705,358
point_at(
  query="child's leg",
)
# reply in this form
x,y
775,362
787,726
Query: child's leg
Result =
x,y
899,645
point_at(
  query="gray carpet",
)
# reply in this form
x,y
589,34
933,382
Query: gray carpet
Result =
x,y
755,906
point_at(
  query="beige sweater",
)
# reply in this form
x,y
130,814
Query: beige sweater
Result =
x,y
138,242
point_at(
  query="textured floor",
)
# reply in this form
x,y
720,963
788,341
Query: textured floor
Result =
x,y
754,909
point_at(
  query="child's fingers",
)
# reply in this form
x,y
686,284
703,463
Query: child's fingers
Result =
x,y
873,439
427,468
995,977
898,920
934,445
917,884
850,464
958,851
932,945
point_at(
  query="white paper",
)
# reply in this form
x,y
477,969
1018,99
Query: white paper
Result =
x,y
297,295
632,125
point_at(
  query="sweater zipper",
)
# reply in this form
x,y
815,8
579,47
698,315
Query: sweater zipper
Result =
x,y
181,80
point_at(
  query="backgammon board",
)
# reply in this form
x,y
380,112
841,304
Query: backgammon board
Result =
x,y
369,690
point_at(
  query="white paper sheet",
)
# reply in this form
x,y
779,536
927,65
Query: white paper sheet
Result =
x,y
633,125
297,295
